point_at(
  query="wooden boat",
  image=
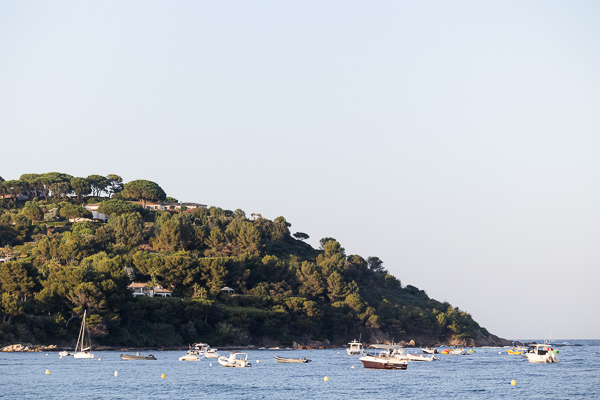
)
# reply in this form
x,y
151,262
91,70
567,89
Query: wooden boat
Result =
x,y
83,349
291,360
137,356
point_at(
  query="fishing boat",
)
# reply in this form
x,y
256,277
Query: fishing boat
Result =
x,y
195,352
137,356
291,360
83,349
355,348
236,360
542,353
382,358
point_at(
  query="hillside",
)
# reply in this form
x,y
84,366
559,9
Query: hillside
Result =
x,y
285,291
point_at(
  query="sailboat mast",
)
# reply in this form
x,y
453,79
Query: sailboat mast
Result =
x,y
81,333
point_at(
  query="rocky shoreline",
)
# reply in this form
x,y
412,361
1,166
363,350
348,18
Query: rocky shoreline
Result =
x,y
492,341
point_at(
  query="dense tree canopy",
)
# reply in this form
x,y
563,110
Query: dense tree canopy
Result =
x,y
285,290
143,191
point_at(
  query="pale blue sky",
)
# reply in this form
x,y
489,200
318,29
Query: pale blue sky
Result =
x,y
457,141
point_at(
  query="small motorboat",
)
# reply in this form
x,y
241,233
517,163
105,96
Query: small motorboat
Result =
x,y
382,358
427,350
137,356
235,360
355,349
542,353
457,352
64,353
291,360
514,351
420,357
195,352
211,353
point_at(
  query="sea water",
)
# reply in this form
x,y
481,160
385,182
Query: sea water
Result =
x,y
486,374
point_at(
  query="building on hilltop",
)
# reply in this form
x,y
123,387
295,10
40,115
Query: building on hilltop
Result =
x,y
146,289
93,208
151,205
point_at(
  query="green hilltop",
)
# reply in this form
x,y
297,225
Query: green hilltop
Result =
x,y
285,292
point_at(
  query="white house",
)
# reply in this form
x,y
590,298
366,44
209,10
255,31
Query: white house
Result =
x,y
93,208
143,289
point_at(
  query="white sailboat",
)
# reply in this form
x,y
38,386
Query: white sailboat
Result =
x,y
83,349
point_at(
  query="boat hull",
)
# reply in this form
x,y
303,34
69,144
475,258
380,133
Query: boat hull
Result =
x,y
383,363
236,360
539,358
292,360
83,355
190,358
132,357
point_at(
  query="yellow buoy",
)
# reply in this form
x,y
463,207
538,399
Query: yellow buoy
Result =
x,y
326,378
47,372
162,376
513,382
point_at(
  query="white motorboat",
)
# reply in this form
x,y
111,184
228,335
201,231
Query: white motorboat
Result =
x,y
427,350
382,358
83,349
302,360
420,357
195,352
356,348
236,360
64,353
456,352
211,353
542,353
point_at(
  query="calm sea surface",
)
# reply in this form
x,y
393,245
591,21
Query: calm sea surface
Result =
x,y
483,375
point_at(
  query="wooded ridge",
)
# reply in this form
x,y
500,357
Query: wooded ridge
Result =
x,y
285,292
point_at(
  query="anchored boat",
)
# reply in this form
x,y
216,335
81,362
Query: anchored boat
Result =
x,y
291,360
83,349
355,349
542,353
137,356
382,358
236,360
